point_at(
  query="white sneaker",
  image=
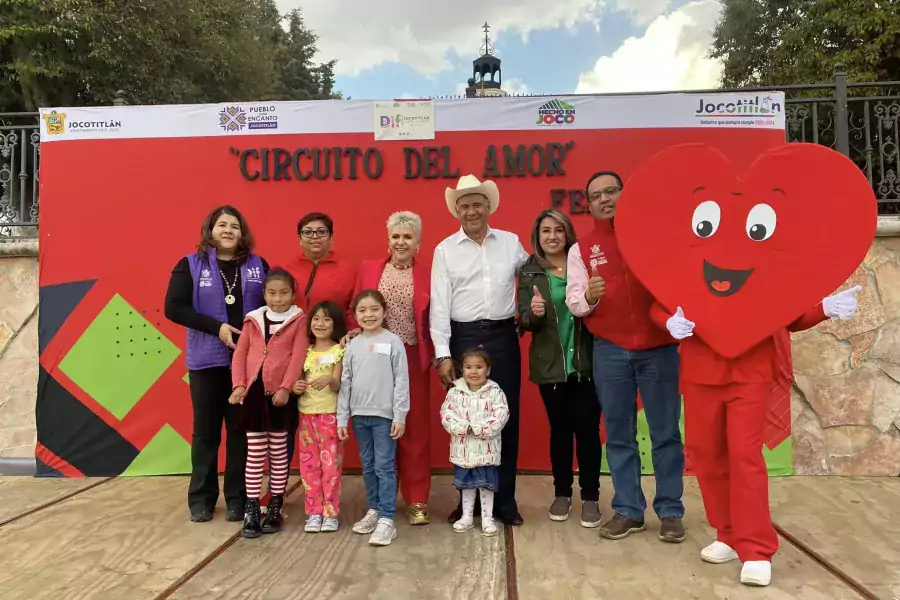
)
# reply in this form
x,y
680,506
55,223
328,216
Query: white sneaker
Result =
x,y
756,572
488,526
384,533
464,524
367,524
718,553
313,524
330,524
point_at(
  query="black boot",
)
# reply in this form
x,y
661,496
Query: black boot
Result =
x,y
251,519
274,517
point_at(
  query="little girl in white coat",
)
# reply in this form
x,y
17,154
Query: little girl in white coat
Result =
x,y
474,414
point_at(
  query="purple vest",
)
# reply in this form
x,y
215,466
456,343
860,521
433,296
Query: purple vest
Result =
x,y
205,351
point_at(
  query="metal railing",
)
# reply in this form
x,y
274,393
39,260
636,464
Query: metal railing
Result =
x,y
860,120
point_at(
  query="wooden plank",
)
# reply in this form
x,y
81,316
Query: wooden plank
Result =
x,y
129,538
852,523
567,561
18,495
426,562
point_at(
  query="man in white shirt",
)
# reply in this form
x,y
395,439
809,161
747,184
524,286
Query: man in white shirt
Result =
x,y
473,304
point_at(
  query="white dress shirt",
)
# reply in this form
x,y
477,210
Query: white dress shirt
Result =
x,y
472,282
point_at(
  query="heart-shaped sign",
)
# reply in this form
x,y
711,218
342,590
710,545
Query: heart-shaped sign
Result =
x,y
745,255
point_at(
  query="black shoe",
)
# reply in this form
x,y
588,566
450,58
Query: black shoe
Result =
x,y
252,528
201,515
510,518
234,514
274,517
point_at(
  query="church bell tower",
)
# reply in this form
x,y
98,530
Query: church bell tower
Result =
x,y
486,72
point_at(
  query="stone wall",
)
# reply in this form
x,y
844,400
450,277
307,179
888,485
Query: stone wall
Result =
x,y
18,347
846,397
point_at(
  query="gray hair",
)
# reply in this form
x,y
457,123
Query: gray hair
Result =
x,y
405,218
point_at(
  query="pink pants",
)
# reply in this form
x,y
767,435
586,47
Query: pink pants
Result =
x,y
321,459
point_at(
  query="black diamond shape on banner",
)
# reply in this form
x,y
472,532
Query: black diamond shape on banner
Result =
x,y
74,433
55,304
44,471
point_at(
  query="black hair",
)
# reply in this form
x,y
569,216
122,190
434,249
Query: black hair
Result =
x,y
373,294
473,353
338,321
316,216
279,273
612,174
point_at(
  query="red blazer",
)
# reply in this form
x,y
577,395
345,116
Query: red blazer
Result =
x,y
368,276
280,362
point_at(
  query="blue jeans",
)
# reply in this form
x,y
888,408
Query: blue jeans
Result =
x,y
619,374
377,451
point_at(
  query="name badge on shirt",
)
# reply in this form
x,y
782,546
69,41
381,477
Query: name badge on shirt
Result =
x,y
382,349
325,360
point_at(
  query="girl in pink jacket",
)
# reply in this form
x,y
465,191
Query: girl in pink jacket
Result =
x,y
267,362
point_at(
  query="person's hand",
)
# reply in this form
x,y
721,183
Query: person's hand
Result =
x,y
225,332
280,398
299,387
397,430
595,288
445,372
350,335
343,434
842,305
320,383
237,396
538,305
678,326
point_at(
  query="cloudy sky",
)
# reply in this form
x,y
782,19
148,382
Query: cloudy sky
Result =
x,y
424,48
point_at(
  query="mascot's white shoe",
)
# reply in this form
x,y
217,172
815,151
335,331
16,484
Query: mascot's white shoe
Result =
x,y
756,572
718,553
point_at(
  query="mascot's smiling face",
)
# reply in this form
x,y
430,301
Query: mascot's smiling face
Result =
x,y
745,256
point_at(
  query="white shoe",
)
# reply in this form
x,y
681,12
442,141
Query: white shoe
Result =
x,y
756,572
367,524
384,533
313,524
329,525
718,553
488,526
464,524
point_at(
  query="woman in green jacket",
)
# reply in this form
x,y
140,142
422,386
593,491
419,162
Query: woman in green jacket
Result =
x,y
560,363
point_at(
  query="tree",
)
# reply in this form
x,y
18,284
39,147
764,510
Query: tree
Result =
x,y
297,77
82,52
783,42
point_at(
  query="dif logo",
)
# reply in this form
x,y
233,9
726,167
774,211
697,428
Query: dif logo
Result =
x,y
391,121
555,113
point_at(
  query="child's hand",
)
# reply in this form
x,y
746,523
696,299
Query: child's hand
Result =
x,y
300,387
397,430
320,383
281,397
343,434
237,396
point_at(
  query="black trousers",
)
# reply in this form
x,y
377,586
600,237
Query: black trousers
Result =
x,y
574,414
210,389
501,342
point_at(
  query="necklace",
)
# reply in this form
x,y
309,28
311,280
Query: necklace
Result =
x,y
400,267
229,297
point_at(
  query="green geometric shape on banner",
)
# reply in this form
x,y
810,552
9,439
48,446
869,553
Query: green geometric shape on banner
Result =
x,y
187,378
166,454
119,357
780,460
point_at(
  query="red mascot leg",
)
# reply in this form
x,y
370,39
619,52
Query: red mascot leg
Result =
x,y
414,448
706,445
754,536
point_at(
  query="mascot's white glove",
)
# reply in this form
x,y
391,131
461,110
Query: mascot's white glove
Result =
x,y
842,305
678,326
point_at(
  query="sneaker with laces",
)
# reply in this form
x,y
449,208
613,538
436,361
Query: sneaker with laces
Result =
x,y
590,514
384,533
488,527
620,527
313,524
559,510
718,553
464,524
671,529
367,524
329,525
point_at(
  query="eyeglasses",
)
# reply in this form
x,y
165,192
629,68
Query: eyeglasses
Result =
x,y
610,192
314,233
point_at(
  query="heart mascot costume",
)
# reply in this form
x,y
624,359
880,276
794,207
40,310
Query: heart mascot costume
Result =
x,y
735,262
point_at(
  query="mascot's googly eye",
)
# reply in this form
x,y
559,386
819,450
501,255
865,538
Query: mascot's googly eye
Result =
x,y
706,219
761,222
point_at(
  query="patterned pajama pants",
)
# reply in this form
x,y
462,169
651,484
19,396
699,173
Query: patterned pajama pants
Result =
x,y
321,457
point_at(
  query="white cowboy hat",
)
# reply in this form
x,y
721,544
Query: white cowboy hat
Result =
x,y
469,184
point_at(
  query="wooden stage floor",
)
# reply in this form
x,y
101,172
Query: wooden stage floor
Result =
x,y
130,539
